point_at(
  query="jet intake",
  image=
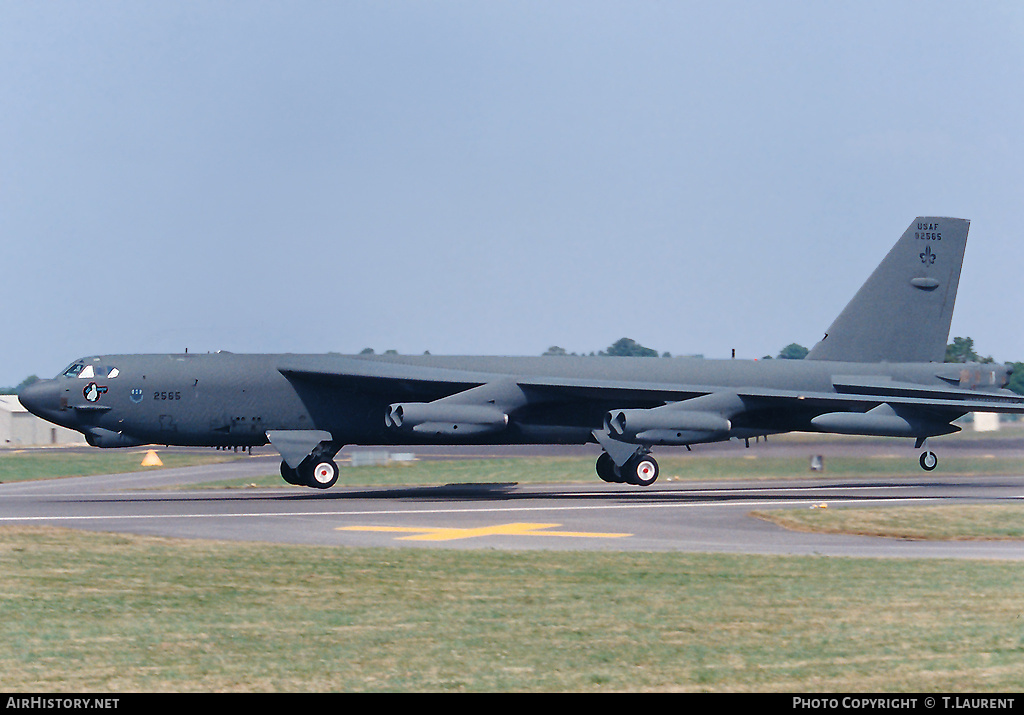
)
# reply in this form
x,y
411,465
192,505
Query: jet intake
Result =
x,y
882,421
665,425
453,420
99,437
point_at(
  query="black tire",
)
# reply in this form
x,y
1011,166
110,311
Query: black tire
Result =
x,y
607,470
291,475
321,473
928,461
641,470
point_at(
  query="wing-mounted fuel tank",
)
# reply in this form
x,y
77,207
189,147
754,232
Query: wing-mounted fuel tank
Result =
x,y
883,421
478,411
701,419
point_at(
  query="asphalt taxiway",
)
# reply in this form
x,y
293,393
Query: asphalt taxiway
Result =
x,y
679,516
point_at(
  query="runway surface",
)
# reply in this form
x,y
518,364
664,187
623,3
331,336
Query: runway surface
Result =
x,y
679,516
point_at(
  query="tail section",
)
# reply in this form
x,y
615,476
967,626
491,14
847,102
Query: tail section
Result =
x,y
903,312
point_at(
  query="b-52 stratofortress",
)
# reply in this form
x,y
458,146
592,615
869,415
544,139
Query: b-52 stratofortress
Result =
x,y
878,371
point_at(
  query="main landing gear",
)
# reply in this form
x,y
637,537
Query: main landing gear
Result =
x,y
312,451
640,469
318,473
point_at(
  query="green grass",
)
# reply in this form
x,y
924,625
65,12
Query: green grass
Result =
x,y
97,612
22,465
945,523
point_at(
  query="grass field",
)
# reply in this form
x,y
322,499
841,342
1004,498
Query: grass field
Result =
x,y
97,612
22,465
944,523
120,613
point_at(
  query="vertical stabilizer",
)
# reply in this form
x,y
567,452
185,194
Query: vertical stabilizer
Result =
x,y
903,312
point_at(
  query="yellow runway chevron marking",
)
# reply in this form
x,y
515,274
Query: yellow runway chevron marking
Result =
x,y
430,533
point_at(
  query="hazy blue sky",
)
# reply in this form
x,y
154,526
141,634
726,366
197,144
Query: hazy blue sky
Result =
x,y
493,177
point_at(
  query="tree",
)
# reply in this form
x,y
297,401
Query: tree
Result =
x,y
1017,378
962,350
555,350
23,384
627,347
793,351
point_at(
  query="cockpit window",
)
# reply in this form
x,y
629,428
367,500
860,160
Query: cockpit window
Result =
x,y
83,371
73,370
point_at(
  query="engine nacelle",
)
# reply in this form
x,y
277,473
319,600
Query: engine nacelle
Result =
x,y
100,437
665,425
441,418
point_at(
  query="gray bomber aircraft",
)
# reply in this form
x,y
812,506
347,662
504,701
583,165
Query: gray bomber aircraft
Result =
x,y
878,371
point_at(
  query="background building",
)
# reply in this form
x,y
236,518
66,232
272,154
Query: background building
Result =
x,y
20,428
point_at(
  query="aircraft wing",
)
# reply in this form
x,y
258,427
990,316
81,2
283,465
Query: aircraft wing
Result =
x,y
850,393
395,378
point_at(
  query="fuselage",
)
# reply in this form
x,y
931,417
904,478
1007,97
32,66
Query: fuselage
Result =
x,y
226,399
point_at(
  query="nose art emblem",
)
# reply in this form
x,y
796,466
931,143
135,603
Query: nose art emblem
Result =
x,y
93,391
135,395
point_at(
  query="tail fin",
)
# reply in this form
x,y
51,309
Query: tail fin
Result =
x,y
902,313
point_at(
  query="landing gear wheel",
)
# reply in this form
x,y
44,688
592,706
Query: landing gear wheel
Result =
x,y
641,470
607,470
291,475
323,475
928,461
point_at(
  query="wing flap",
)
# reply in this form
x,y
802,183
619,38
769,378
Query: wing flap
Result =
x,y
978,402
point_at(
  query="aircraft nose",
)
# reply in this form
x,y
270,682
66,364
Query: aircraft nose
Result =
x,y
41,398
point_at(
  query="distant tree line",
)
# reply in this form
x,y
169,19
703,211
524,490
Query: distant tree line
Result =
x,y
627,347
623,347
24,383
